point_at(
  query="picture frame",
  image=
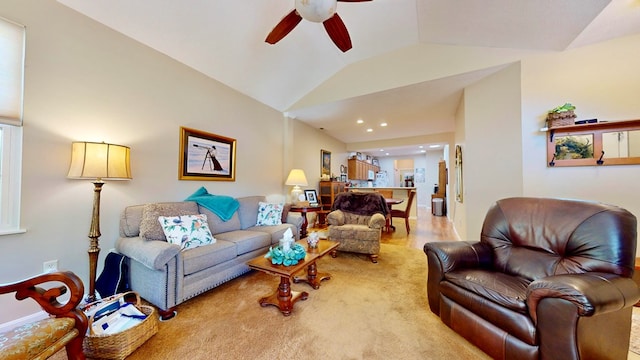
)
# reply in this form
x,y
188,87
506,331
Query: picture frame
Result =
x,y
325,162
312,197
206,156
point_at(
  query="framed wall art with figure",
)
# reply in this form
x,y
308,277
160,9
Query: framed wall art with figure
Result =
x,y
205,156
325,162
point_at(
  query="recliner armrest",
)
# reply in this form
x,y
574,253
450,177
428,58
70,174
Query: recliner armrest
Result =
x,y
592,293
153,254
453,255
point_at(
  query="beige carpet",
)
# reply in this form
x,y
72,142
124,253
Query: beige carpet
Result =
x,y
634,345
366,311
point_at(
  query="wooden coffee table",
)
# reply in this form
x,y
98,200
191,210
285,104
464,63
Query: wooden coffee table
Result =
x,y
284,297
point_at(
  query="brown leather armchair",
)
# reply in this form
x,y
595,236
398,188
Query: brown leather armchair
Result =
x,y
66,327
549,279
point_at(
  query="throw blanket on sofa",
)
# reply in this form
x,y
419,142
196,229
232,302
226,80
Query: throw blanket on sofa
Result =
x,y
361,203
223,206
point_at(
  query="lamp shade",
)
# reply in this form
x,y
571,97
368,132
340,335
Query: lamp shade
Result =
x,y
296,177
90,160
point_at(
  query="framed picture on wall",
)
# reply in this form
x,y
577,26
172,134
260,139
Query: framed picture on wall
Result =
x,y
205,156
325,162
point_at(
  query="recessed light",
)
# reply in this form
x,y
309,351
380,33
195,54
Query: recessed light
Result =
x,y
420,147
423,151
360,121
434,146
387,154
381,149
383,124
369,130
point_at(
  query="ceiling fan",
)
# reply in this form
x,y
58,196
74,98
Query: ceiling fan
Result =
x,y
323,11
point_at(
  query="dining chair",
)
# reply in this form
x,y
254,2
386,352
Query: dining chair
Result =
x,y
406,212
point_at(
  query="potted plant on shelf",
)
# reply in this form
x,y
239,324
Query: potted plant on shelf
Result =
x,y
561,116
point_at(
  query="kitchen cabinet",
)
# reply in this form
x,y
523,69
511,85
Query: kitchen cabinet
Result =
x,y
359,170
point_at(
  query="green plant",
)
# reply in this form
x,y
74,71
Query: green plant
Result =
x,y
562,108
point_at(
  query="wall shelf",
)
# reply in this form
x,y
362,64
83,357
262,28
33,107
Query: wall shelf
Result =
x,y
594,144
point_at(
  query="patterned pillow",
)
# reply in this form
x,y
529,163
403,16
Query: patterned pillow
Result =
x,y
188,231
269,214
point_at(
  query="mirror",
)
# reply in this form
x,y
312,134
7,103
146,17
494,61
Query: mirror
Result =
x,y
621,144
458,173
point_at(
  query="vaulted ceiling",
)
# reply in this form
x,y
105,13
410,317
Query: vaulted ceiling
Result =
x,y
409,62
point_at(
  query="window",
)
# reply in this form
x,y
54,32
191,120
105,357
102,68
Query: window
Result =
x,y
12,49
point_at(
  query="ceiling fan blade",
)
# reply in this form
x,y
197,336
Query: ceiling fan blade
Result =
x,y
354,0
284,27
338,32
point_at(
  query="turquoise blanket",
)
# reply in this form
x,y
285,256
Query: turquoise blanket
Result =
x,y
223,206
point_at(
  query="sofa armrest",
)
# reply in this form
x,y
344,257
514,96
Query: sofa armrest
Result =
x,y
592,293
154,254
335,217
377,221
295,220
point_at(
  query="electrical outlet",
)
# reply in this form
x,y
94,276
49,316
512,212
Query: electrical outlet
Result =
x,y
50,266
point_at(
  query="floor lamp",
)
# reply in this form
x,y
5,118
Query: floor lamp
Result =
x,y
97,161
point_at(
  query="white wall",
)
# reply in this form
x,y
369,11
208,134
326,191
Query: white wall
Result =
x,y
603,82
87,82
491,147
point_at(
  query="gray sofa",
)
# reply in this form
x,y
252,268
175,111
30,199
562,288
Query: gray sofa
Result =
x,y
166,276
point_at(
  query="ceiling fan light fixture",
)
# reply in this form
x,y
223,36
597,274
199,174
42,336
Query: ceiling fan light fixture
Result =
x,y
316,10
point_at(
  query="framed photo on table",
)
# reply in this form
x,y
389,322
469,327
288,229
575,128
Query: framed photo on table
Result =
x,y
205,156
312,197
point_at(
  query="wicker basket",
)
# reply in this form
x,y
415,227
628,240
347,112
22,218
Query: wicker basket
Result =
x,y
564,118
122,344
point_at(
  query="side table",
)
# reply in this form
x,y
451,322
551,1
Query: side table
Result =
x,y
304,210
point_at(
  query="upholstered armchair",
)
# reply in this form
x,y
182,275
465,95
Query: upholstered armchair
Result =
x,y
549,279
66,327
356,222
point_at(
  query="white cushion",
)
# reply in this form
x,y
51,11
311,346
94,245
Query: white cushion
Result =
x,y
269,214
188,231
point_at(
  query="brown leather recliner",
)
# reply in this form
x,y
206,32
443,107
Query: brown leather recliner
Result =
x,y
549,279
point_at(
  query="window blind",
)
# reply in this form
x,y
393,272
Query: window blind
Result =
x,y
12,44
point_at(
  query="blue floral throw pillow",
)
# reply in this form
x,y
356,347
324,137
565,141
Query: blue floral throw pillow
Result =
x,y
188,231
269,214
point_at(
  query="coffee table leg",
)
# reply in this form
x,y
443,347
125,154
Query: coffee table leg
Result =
x,y
313,277
284,297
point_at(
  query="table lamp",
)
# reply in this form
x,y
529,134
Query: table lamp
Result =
x,y
97,161
296,178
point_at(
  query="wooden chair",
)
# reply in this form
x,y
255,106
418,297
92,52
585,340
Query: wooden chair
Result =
x,y
406,212
66,327
387,194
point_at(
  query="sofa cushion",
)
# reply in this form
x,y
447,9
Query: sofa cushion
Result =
x,y
188,231
150,228
217,225
276,231
269,214
246,241
208,256
248,210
